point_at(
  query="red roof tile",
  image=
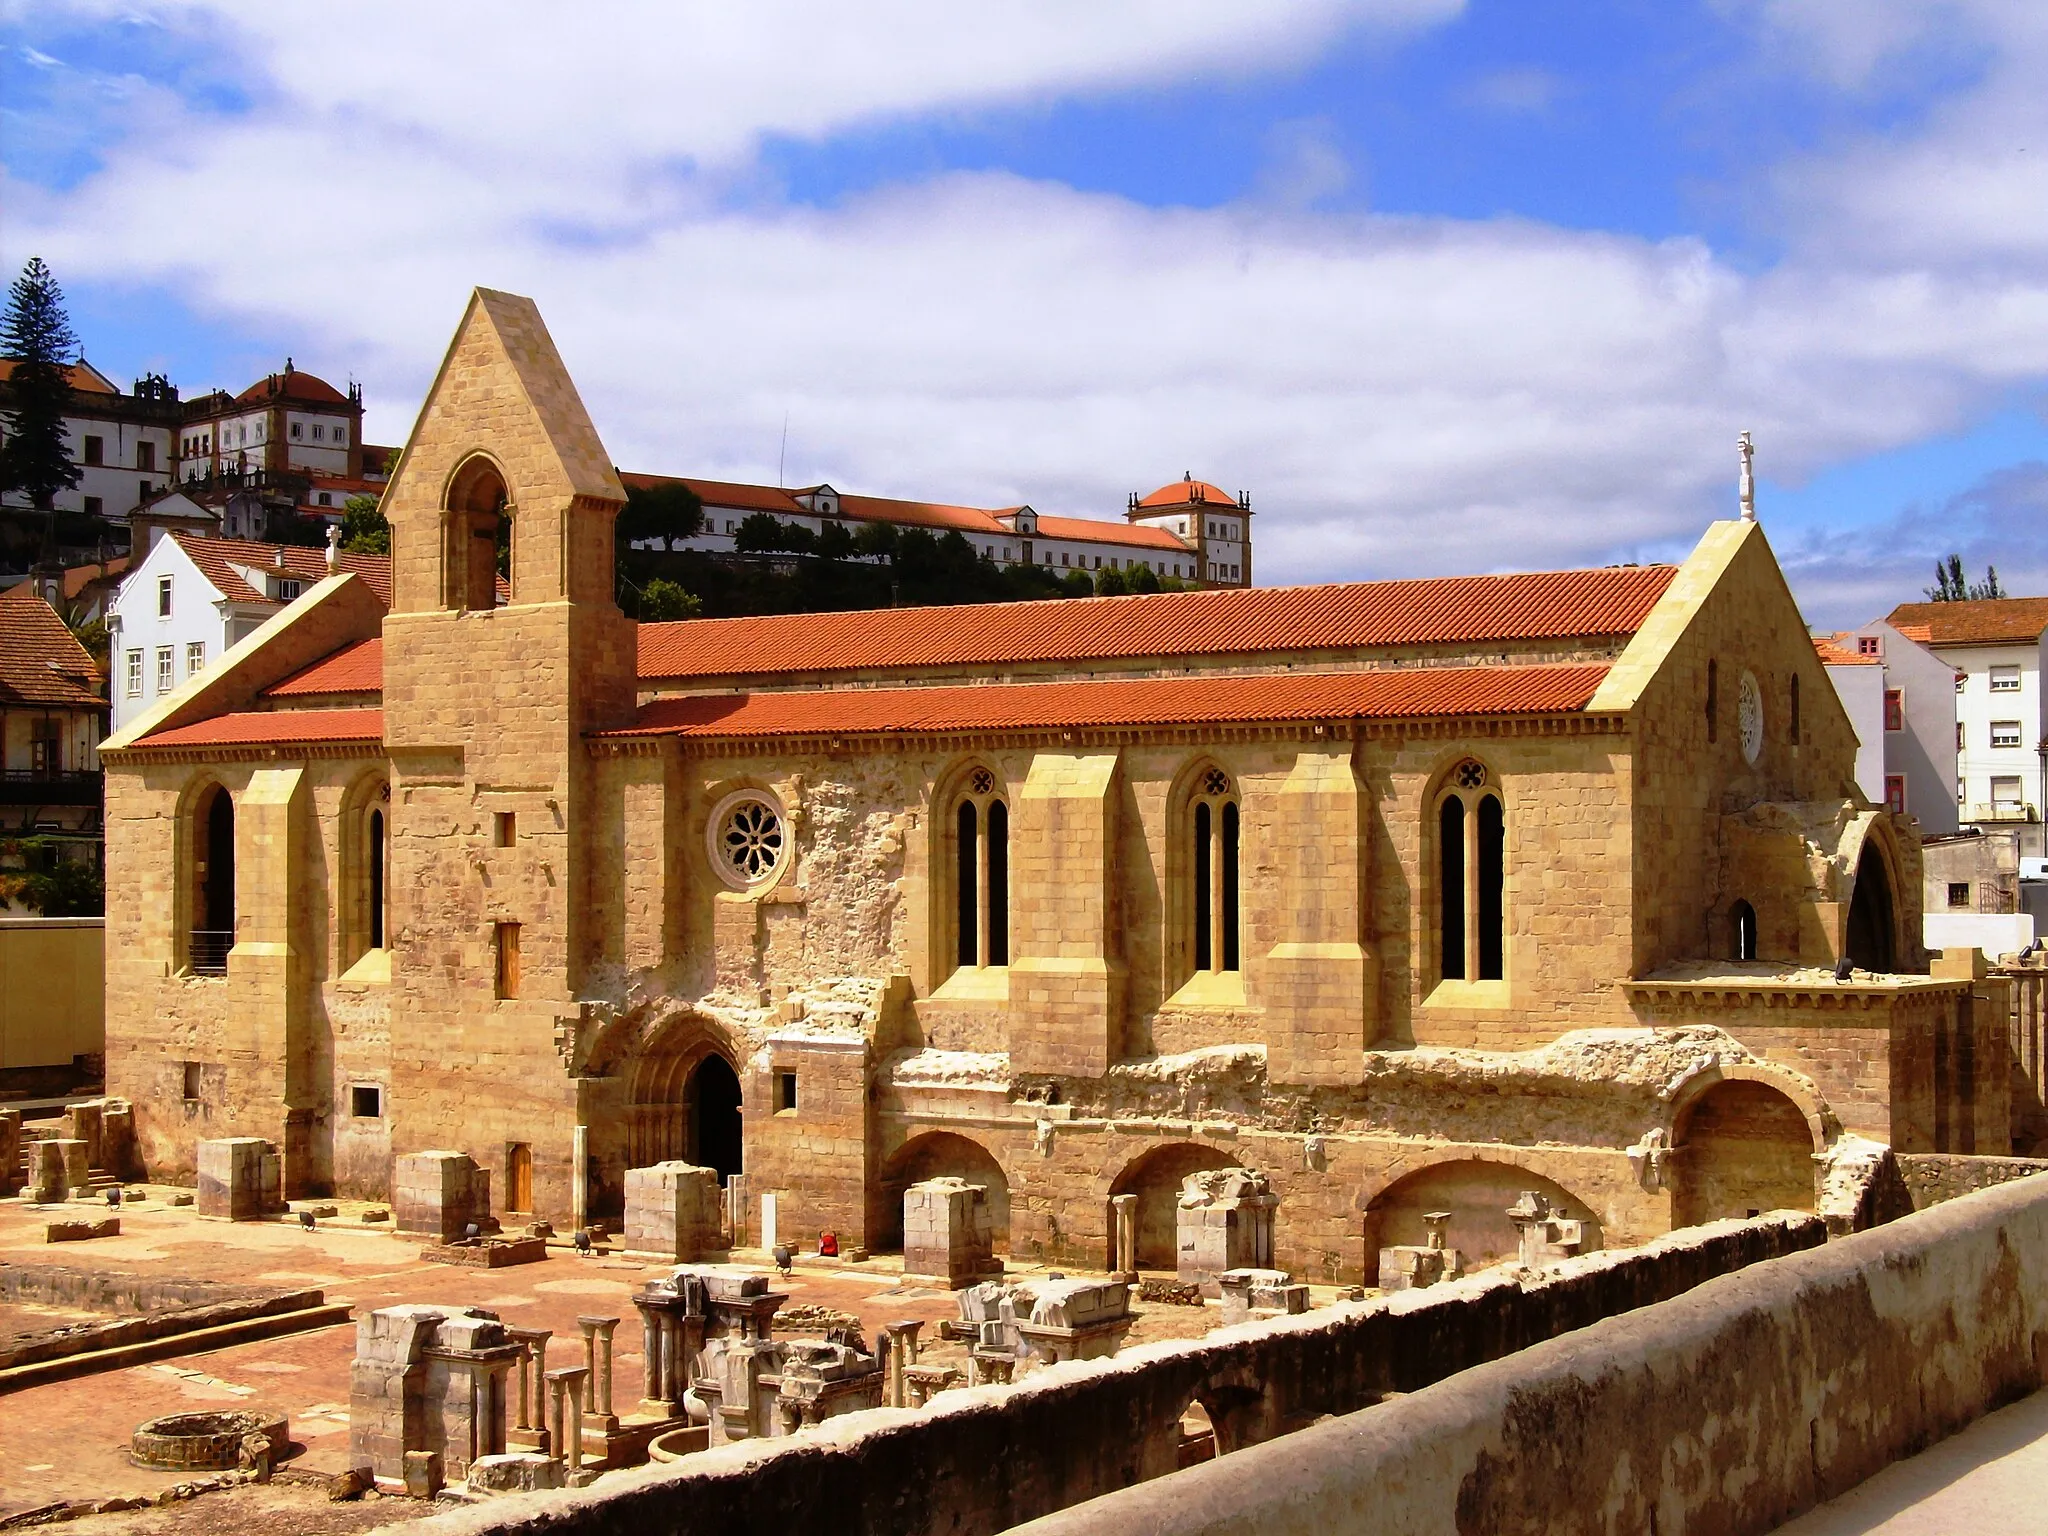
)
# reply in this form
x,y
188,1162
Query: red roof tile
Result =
x,y
292,384
1988,621
1407,693
1187,489
1137,535
217,558
1918,632
78,577
282,726
1833,653
1558,605
357,668
41,662
81,376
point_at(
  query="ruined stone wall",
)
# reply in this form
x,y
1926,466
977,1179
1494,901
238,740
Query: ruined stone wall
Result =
x,y
1803,1377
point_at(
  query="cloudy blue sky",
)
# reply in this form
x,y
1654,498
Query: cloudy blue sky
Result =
x,y
1446,284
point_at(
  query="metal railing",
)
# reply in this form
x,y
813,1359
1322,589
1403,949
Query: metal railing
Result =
x,y
208,951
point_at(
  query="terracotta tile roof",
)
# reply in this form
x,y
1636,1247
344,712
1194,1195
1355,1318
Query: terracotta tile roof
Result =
x,y
217,558
357,668
41,662
1558,605
1407,693
1137,535
1833,653
78,577
1923,633
1988,621
1181,492
259,727
293,384
81,376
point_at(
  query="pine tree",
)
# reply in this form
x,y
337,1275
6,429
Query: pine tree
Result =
x,y
1952,586
35,332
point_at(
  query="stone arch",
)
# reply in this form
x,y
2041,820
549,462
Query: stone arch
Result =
x,y
205,921
1155,1177
969,829
1208,858
1477,1191
1871,937
933,1155
660,1064
363,914
1741,1145
476,517
1466,824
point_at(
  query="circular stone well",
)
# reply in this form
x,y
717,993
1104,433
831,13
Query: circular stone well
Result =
x,y
196,1442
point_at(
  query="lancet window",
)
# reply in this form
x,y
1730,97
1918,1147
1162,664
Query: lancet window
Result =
x,y
1471,876
1214,818
981,872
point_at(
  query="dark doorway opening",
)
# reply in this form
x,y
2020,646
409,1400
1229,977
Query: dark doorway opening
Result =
x,y
715,1117
1870,915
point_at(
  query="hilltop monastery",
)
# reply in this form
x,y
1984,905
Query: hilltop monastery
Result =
x,y
1408,895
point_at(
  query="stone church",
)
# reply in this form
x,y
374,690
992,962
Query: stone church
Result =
x,y
1409,896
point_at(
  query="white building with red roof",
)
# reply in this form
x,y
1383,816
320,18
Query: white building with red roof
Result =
x,y
125,446
284,423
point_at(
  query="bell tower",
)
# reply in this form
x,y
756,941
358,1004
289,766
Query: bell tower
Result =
x,y
502,649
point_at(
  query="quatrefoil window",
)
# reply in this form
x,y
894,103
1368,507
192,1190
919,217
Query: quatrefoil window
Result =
x,y
1215,782
982,782
1470,774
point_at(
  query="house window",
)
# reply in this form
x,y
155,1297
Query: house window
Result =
x,y
340,434
366,1101
506,940
145,455
2005,679
325,499
1894,709
192,1080
504,829
195,657
1743,920
94,506
319,432
785,1093
1959,893
2005,790
1471,876
1867,645
211,903
2005,733
166,669
163,597
375,856
298,429
287,590
981,872
1895,793
95,450
1215,817
142,490
135,673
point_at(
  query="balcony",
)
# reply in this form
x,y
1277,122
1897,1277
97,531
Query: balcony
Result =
x,y
38,786
2002,811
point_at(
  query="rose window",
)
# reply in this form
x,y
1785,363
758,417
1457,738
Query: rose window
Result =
x,y
750,840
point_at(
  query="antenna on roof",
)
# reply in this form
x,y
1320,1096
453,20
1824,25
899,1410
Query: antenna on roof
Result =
x,y
1747,485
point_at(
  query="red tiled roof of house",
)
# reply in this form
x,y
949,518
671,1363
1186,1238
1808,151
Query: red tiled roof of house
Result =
x,y
1555,605
78,577
292,384
282,726
1920,632
41,662
1141,536
1181,492
81,376
357,668
1405,693
1987,621
217,558
1833,653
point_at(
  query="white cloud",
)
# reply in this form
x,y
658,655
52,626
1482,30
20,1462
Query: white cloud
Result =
x,y
1398,393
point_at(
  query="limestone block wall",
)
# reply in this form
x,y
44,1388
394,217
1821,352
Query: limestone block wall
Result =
x,y
814,1156
1066,962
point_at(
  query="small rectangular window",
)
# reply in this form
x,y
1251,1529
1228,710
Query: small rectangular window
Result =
x,y
142,490
2005,679
298,429
508,960
95,450
366,1101
287,591
505,829
1867,645
163,597
1894,709
2005,733
135,673
1959,893
1895,793
2005,790
785,1093
94,506
195,657
191,1075
318,432
166,669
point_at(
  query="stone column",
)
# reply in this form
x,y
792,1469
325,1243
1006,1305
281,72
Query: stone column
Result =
x,y
1438,1223
597,1359
579,1172
533,1365
902,1354
1126,1237
77,1165
566,1386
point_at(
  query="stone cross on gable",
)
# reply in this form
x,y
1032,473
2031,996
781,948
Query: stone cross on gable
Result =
x,y
1748,483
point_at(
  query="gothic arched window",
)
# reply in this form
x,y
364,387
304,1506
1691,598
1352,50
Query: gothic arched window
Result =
x,y
1213,816
1471,876
981,872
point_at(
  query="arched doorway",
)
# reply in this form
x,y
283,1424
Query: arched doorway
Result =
x,y
213,884
1872,927
936,1155
1740,1148
1156,1178
714,1119
1477,1193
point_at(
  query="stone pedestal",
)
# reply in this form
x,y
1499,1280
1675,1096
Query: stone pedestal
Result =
x,y
947,1235
694,1307
1404,1267
1224,1222
437,1195
1546,1236
428,1380
674,1210
240,1178
1254,1293
1075,1319
82,1123
515,1472
46,1173
77,1165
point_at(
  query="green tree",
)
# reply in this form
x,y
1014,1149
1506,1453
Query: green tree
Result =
x,y
363,528
1144,579
1951,586
668,511
662,600
1111,582
834,542
37,334
763,532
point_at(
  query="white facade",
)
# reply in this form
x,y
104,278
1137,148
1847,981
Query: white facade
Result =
x,y
1918,708
120,463
1999,714
169,623
1860,686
